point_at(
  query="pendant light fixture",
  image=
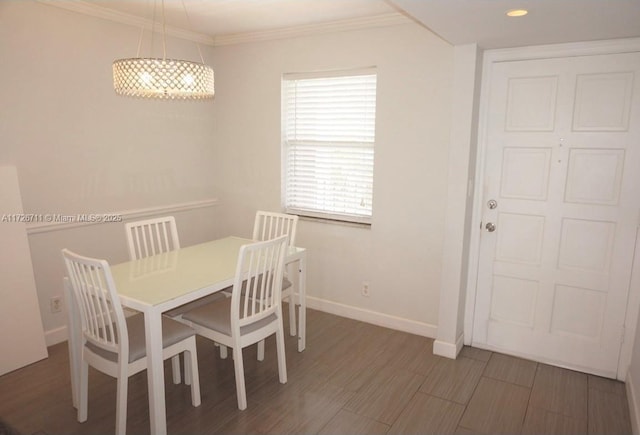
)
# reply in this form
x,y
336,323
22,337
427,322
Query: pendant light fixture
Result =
x,y
163,78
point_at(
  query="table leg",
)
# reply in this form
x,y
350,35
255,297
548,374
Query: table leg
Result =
x,y
293,300
302,315
74,340
155,372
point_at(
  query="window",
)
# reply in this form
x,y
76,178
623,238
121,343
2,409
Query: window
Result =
x,y
328,137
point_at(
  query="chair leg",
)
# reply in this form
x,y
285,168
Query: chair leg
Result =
x,y
193,374
223,351
175,364
238,365
84,392
292,315
261,350
282,356
121,404
188,376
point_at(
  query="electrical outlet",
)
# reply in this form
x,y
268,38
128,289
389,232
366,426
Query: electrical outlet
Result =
x,y
365,289
55,304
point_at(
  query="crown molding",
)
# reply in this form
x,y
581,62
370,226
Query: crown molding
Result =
x,y
86,8
391,19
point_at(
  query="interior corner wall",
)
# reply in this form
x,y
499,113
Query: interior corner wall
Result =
x,y
401,254
467,70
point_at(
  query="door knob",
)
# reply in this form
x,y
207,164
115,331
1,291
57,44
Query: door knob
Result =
x,y
491,227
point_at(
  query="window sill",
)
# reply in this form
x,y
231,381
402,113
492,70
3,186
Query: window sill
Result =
x,y
329,221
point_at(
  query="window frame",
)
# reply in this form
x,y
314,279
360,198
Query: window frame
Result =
x,y
286,144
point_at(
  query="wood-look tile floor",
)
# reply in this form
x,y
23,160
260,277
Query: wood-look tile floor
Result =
x,y
353,378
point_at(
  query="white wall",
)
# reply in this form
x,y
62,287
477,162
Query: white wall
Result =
x,y
80,149
633,372
633,384
401,253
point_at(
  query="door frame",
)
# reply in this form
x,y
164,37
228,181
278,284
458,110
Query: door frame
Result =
x,y
490,58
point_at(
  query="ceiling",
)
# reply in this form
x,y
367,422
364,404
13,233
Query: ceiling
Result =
x,y
223,17
548,21
456,21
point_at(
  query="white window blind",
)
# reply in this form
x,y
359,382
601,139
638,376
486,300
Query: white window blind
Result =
x,y
328,144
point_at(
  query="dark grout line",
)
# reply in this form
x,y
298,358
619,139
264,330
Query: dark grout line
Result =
x,y
526,412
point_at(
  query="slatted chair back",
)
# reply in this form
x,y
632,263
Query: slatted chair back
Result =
x,y
151,236
269,225
101,315
257,289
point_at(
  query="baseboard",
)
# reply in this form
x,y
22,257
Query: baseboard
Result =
x,y
446,349
373,317
55,336
632,399
58,335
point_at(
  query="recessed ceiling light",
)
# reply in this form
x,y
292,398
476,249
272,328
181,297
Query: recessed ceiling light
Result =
x,y
517,12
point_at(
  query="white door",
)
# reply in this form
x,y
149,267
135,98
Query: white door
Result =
x,y
563,167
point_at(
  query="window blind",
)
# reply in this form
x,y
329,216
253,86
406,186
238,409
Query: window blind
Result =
x,y
328,143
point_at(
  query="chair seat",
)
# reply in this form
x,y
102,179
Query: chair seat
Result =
x,y
286,283
195,304
217,316
172,333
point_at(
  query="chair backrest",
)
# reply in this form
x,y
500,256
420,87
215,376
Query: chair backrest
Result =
x,y
269,225
257,288
101,315
151,236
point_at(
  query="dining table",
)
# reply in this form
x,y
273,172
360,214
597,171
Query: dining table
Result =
x,y
159,283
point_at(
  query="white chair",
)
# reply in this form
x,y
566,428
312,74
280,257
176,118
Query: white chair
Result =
x,y
269,225
113,344
254,310
156,236
266,226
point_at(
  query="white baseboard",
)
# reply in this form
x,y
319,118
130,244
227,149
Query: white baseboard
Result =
x,y
632,399
55,336
58,335
373,317
448,350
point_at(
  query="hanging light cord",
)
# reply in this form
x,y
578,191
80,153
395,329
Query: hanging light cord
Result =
x,y
164,34
191,28
140,41
153,28
153,25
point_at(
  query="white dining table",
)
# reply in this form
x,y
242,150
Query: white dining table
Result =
x,y
159,283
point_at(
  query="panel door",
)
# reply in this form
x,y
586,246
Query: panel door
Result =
x,y
562,165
